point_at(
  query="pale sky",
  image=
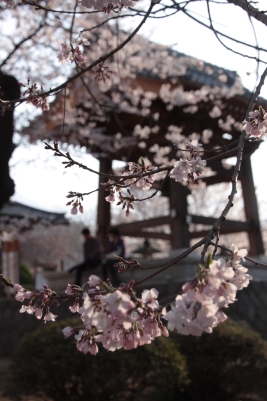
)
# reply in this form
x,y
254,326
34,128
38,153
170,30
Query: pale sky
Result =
x,y
41,181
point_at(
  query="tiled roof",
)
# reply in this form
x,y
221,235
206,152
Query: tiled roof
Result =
x,y
18,210
203,77
203,74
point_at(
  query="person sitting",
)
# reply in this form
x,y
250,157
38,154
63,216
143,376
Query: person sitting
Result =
x,y
116,247
91,254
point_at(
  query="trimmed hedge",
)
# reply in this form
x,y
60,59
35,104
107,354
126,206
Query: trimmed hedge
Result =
x,y
49,364
228,365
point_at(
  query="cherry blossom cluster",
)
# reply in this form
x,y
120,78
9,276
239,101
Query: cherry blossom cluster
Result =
x,y
71,53
141,182
103,72
117,318
76,292
106,5
75,203
39,303
34,95
198,308
144,180
256,127
125,201
122,265
110,187
185,170
103,5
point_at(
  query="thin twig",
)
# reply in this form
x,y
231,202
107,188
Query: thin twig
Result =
x,y
172,262
255,262
223,44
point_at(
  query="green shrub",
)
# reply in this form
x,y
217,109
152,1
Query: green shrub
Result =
x,y
49,364
25,275
228,365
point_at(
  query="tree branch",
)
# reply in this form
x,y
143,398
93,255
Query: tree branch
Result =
x,y
252,11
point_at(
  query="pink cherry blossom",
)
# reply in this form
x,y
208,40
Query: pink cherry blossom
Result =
x,y
71,53
18,287
29,309
198,165
111,197
238,254
181,170
67,331
20,296
70,289
104,4
75,307
94,280
74,210
38,313
257,124
119,302
149,297
254,114
64,55
198,309
144,182
194,147
50,317
10,3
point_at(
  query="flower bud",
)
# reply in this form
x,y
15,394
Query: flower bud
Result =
x,y
94,280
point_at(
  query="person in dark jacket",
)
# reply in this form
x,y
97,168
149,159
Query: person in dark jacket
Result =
x,y
116,247
91,255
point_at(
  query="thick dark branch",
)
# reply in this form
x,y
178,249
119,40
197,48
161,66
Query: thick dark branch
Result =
x,y
4,281
252,11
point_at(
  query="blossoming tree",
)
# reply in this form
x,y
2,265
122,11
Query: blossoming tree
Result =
x,y
62,50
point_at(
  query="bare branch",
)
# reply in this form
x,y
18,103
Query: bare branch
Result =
x,y
252,11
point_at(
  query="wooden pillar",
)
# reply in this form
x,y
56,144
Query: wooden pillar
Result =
x,y
103,207
251,207
178,212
